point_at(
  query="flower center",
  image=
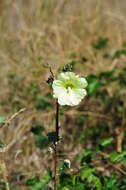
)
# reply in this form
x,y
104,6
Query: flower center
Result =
x,y
67,86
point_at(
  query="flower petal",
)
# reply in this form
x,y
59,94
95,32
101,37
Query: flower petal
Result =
x,y
75,96
69,88
57,88
83,83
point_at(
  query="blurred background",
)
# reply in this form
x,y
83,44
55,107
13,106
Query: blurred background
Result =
x,y
90,36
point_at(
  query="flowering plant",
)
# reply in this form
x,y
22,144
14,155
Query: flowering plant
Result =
x,y
69,88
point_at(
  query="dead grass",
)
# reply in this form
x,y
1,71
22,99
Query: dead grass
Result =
x,y
33,33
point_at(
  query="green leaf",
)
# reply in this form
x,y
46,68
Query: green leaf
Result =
x,y
86,156
106,55
101,43
52,137
93,84
118,157
32,181
80,186
37,184
38,129
89,175
108,76
106,142
110,183
2,120
41,141
122,77
48,176
74,180
118,53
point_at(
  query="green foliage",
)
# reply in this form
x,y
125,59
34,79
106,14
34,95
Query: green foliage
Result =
x,y
110,183
37,129
52,137
43,102
33,89
106,142
37,184
93,84
2,120
2,185
106,55
85,156
101,43
116,157
107,76
118,53
89,174
122,78
41,140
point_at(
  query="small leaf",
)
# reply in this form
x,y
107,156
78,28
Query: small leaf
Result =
x,y
106,142
93,84
52,137
41,141
2,120
38,129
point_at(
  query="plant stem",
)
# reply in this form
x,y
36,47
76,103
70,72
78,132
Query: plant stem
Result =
x,y
56,148
57,122
3,172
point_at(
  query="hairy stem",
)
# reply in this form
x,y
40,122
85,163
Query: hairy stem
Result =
x,y
56,148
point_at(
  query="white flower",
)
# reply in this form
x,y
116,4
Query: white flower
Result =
x,y
69,88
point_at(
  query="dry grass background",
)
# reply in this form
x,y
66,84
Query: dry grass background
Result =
x,y
34,32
